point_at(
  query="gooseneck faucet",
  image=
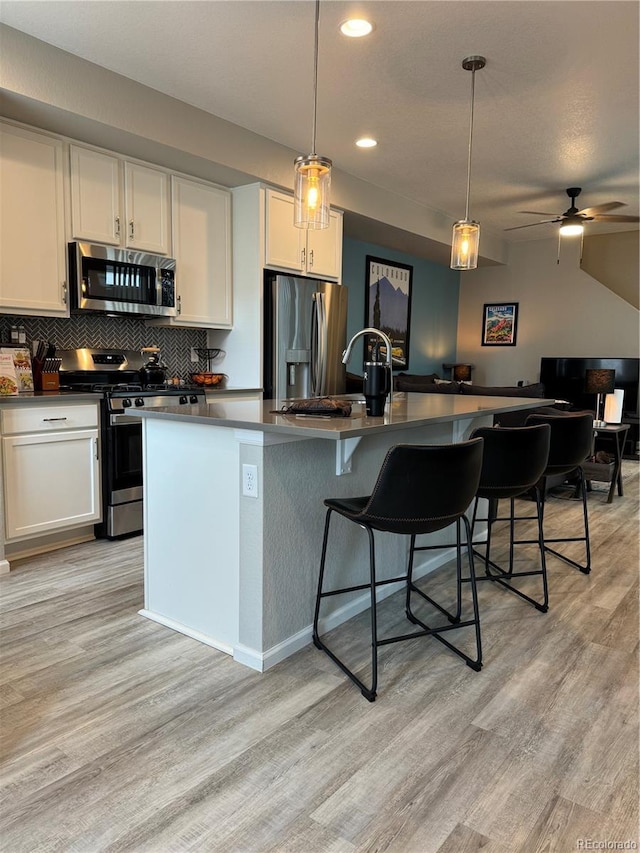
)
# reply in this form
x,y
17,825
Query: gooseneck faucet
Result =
x,y
346,355
376,382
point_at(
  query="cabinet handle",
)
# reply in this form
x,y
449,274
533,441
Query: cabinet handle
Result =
x,y
53,419
304,256
117,226
131,229
64,293
179,304
311,258
95,443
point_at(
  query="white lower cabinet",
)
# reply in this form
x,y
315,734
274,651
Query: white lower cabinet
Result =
x,y
51,469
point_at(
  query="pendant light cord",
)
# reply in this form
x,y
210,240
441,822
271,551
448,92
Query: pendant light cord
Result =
x,y
473,89
315,80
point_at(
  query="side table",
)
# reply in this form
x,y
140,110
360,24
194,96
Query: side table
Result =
x,y
616,433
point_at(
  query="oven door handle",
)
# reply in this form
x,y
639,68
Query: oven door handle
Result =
x,y
122,419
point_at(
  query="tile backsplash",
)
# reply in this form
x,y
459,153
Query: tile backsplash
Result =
x,y
102,332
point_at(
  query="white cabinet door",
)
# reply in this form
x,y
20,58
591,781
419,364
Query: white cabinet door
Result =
x,y
51,481
201,221
32,227
102,212
324,249
96,214
285,244
147,209
312,253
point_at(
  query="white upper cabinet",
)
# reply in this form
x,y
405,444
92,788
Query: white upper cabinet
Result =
x,y
117,202
201,222
147,209
313,253
32,224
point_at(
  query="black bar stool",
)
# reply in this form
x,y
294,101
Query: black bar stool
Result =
x,y
420,489
513,462
571,443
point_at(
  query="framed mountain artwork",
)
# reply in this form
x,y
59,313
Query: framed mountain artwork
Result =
x,y
388,308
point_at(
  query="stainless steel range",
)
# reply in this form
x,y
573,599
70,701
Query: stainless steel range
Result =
x,y
116,376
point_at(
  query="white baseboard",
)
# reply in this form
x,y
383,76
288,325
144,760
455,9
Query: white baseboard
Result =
x,y
189,632
262,661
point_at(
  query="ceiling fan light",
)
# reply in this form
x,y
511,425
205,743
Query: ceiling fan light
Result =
x,y
571,229
311,192
465,244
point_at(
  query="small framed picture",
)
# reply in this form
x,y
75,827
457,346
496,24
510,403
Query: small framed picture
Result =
x,y
499,324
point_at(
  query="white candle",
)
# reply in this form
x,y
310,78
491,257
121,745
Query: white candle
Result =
x,y
613,406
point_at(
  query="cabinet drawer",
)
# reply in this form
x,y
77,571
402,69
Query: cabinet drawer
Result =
x,y
43,418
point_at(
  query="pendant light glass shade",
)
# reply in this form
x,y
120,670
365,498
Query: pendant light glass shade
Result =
x,y
311,192
465,240
464,245
312,178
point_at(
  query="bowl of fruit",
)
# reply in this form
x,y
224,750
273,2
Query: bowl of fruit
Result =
x,y
207,379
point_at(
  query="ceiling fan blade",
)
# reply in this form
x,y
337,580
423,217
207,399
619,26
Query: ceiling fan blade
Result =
x,y
600,208
531,224
539,212
615,217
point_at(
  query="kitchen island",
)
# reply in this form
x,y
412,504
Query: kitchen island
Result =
x,y
234,514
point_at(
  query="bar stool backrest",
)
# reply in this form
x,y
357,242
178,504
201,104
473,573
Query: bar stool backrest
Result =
x,y
514,459
424,488
571,440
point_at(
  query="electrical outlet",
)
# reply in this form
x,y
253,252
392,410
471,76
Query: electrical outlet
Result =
x,y
194,356
250,481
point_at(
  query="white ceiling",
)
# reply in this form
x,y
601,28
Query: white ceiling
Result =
x,y
556,105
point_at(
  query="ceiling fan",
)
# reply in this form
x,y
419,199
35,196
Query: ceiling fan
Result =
x,y
576,217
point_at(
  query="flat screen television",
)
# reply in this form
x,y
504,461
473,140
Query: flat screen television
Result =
x,y
564,379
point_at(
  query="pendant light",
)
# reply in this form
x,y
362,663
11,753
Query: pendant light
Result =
x,y
312,173
466,232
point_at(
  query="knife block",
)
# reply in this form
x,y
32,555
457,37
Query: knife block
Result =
x,y
44,381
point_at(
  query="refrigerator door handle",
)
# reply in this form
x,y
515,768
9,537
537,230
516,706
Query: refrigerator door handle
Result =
x,y
318,346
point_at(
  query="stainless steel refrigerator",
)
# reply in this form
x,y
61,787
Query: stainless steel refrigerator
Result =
x,y
305,335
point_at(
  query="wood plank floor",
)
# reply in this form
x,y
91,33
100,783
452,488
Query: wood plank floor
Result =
x,y
121,735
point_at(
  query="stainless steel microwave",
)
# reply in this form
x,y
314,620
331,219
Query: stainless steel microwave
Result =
x,y
121,281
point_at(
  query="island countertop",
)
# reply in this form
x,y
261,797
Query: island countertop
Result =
x,y
404,411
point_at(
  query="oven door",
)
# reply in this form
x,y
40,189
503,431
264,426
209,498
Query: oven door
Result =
x,y
121,477
124,459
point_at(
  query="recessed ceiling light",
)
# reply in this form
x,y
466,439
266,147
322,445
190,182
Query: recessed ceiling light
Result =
x,y
356,28
366,142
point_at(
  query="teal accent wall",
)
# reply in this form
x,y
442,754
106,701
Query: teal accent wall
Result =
x,y
434,306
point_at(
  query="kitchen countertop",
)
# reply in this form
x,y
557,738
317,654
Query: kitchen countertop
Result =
x,y
31,397
407,411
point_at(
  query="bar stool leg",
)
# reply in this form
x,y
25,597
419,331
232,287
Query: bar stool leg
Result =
x,y
368,692
474,663
504,578
586,568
